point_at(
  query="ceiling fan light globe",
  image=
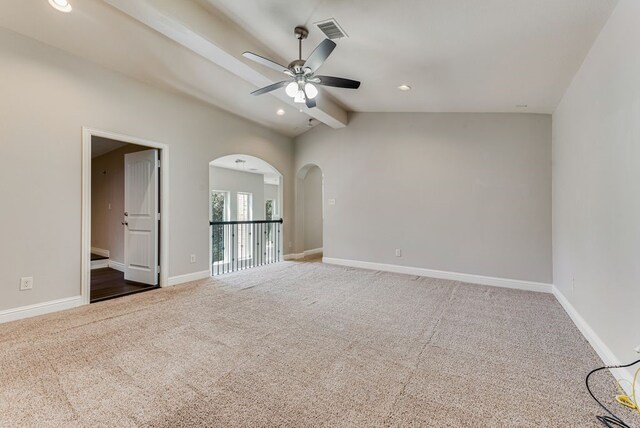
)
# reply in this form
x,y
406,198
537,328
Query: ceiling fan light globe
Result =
x,y
291,89
311,90
299,98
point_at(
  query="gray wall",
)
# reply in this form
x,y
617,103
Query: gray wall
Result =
x,y
312,213
47,97
596,185
107,188
239,181
466,193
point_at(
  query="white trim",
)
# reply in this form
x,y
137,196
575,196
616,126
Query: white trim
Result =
x,y
40,309
100,252
453,276
300,256
116,265
313,252
99,264
87,133
195,276
603,351
293,256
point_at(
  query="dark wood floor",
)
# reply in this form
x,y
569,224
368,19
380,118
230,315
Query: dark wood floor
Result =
x,y
108,283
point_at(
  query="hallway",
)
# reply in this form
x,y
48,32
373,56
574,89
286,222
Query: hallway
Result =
x,y
108,283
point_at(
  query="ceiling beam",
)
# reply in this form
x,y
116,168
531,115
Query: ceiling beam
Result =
x,y
217,39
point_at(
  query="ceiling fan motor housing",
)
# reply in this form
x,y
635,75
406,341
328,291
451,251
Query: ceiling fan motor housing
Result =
x,y
297,65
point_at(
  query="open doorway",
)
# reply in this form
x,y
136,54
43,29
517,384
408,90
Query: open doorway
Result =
x,y
311,211
245,213
123,198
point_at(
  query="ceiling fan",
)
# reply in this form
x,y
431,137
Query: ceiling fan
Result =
x,y
301,86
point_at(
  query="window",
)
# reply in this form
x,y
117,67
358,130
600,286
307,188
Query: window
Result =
x,y
268,209
219,212
268,215
219,204
244,206
245,241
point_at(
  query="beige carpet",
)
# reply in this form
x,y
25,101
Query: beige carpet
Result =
x,y
302,344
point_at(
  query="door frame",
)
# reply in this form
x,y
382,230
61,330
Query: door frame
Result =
x,y
87,134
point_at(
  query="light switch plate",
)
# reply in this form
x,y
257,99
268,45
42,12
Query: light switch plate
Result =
x,y
332,201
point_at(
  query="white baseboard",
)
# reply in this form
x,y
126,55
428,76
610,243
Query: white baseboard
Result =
x,y
453,276
100,252
117,266
300,256
40,309
99,264
313,252
195,276
604,352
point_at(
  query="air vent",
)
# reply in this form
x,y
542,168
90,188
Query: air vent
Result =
x,y
331,29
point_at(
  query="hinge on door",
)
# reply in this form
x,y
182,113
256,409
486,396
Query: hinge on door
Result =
x,y
158,216
158,163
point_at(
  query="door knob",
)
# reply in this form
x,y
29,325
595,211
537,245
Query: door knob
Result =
x,y
126,214
124,223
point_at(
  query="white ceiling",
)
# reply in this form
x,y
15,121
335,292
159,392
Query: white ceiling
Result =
x,y
251,165
458,55
104,35
101,146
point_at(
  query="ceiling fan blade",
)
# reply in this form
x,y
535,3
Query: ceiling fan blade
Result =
x,y
338,82
264,61
308,101
320,55
270,88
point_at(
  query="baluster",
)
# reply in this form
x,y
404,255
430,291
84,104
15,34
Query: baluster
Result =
x,y
278,254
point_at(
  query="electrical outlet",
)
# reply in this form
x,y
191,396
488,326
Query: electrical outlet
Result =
x,y
26,283
398,252
332,201
193,258
637,349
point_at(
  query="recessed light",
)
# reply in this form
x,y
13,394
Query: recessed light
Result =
x,y
280,112
404,87
61,5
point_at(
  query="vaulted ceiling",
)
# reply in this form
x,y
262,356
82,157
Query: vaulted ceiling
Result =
x,y
457,55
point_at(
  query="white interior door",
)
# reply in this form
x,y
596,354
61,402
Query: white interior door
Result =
x,y
141,202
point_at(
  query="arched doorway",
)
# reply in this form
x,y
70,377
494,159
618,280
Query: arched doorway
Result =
x,y
310,208
245,212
